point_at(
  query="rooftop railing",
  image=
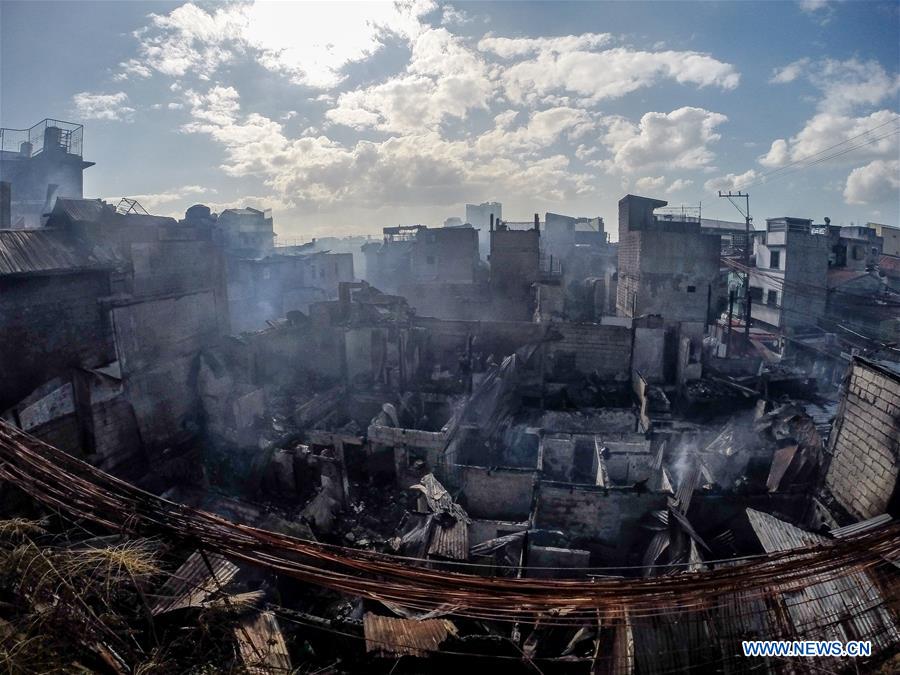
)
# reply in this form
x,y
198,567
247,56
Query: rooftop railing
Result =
x,y
46,134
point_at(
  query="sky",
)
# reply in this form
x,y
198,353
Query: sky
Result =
x,y
346,117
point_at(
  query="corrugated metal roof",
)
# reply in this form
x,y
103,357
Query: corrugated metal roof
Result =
x,y
388,636
87,210
862,526
44,251
776,535
843,608
192,583
262,645
450,542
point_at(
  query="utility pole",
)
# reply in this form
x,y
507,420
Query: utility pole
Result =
x,y
731,196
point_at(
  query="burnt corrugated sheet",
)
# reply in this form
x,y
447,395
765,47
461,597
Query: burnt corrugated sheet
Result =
x,y
84,210
843,608
262,645
450,542
193,583
387,636
862,526
44,251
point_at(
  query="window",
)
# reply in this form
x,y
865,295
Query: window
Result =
x,y
772,298
756,294
775,260
429,259
692,289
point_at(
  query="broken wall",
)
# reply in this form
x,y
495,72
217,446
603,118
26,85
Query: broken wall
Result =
x,y
865,441
49,324
608,518
500,494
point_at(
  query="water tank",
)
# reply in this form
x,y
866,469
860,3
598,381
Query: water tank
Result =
x,y
197,212
26,149
52,138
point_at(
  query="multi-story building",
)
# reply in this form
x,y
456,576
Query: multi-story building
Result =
x,y
479,217
667,264
890,235
854,248
416,254
788,286
37,165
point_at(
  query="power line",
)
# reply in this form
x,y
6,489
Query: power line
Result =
x,y
830,147
806,164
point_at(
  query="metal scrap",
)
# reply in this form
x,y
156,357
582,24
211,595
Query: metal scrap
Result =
x,y
193,583
262,645
387,636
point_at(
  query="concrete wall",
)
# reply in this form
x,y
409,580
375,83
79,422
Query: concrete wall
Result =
x,y
158,343
499,494
606,349
667,273
49,324
447,254
558,457
865,441
608,517
559,559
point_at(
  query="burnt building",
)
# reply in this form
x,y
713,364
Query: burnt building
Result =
x,y
667,265
37,165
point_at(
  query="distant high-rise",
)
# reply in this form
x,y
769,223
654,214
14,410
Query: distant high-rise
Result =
x,y
479,216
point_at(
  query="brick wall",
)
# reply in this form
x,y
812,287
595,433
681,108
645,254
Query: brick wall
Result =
x,y
865,441
47,325
607,517
606,349
502,494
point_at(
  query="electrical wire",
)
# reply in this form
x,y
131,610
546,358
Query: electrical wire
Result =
x,y
61,481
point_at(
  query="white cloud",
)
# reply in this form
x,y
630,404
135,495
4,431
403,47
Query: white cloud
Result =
x,y
444,79
655,185
542,129
678,185
650,184
508,47
309,42
790,72
418,168
678,139
111,107
825,130
731,181
812,5
844,85
875,183
450,15
576,64
164,203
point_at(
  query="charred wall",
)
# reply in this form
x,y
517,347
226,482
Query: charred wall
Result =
x,y
50,324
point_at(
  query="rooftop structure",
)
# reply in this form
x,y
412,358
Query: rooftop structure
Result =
x,y
38,165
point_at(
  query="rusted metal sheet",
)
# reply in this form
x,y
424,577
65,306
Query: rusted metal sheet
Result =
x,y
842,608
780,463
387,636
80,210
450,542
71,485
261,644
46,251
193,583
